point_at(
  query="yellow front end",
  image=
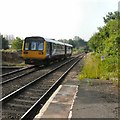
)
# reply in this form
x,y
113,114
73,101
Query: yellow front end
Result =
x,y
34,54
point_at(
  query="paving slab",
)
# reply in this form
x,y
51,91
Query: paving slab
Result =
x,y
61,103
95,101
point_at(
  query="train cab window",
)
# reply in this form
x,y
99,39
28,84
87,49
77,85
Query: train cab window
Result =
x,y
26,46
40,46
37,45
34,43
33,46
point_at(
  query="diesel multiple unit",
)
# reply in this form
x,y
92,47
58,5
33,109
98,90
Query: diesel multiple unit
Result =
x,y
39,50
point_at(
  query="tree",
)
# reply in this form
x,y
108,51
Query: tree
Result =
x,y
63,40
3,42
78,42
106,40
72,43
17,43
111,16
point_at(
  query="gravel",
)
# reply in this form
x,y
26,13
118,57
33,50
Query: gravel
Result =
x,y
18,104
17,83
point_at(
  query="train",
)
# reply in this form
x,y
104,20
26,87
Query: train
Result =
x,y
38,50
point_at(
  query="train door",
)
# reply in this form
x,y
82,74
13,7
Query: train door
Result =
x,y
49,49
65,50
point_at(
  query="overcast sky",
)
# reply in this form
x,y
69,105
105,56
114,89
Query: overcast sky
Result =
x,y
58,19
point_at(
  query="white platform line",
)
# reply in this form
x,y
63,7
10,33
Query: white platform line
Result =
x,y
70,113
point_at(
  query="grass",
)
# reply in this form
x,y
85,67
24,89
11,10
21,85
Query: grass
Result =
x,y
90,69
13,64
8,50
95,68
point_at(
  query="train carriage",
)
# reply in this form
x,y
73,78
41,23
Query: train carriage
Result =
x,y
39,50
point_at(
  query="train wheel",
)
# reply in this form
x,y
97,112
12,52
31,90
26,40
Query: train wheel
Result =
x,y
47,62
26,61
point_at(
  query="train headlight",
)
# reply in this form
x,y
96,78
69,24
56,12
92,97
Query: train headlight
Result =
x,y
25,52
40,52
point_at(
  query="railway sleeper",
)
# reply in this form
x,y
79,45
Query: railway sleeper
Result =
x,y
4,111
30,93
43,87
35,90
23,101
14,105
28,97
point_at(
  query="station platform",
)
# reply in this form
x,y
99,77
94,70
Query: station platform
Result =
x,y
60,103
92,99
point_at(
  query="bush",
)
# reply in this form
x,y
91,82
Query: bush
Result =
x,y
96,68
17,44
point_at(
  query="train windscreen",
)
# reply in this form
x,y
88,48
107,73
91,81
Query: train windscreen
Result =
x,y
34,44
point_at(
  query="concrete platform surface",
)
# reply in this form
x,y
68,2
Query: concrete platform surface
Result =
x,y
96,101
60,104
90,99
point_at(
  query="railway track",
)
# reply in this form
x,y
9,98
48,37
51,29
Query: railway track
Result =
x,y
8,77
15,83
16,74
24,102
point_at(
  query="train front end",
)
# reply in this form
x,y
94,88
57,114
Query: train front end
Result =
x,y
34,50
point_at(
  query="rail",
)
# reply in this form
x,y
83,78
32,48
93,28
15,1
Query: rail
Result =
x,y
31,111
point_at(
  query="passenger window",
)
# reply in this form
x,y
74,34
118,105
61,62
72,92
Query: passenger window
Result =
x,y
48,48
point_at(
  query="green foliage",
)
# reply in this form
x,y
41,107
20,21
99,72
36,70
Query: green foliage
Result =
x,y
106,40
104,43
17,44
111,16
96,68
70,41
77,51
77,43
3,43
90,69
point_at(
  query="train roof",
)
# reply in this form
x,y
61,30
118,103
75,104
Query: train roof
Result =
x,y
68,44
57,42
52,41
